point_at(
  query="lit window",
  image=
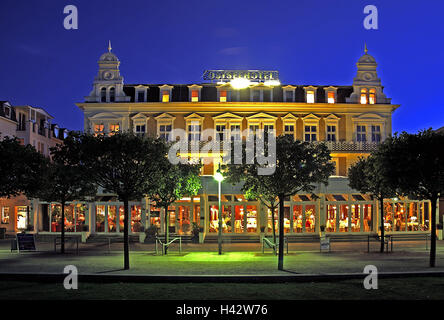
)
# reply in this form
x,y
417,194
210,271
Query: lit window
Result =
x,y
5,215
310,96
363,96
372,97
331,133
165,131
223,96
310,133
376,133
98,129
361,135
165,96
194,96
114,128
331,97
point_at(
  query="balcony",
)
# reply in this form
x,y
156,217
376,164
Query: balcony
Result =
x,y
350,146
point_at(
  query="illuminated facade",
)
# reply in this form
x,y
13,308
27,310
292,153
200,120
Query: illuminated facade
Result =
x,y
351,120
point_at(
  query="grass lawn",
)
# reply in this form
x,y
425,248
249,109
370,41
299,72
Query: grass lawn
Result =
x,y
409,288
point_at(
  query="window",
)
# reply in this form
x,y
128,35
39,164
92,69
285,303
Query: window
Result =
x,y
268,128
310,96
363,96
194,131
103,95
99,129
220,128
331,97
112,95
311,133
140,96
256,95
165,96
376,133
165,131
140,128
289,130
7,112
331,133
223,96
253,128
289,95
194,96
5,215
372,98
361,134
235,132
114,128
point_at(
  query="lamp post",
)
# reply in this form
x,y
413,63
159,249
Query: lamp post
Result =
x,y
219,178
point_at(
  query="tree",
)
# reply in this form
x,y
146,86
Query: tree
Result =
x,y
415,165
125,164
174,182
21,168
299,166
66,178
370,175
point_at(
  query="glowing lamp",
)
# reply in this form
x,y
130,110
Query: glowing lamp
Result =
x,y
240,83
218,176
272,83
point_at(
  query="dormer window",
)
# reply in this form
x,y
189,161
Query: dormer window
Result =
x,y
165,96
194,96
288,93
330,97
7,112
165,93
223,96
194,93
310,96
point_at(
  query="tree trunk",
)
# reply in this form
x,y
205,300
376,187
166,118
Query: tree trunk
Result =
x,y
381,213
281,233
126,264
274,224
62,239
167,227
433,233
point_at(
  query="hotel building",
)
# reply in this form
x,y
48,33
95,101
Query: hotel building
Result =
x,y
34,126
351,120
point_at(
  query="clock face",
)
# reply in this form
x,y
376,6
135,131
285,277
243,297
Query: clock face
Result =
x,y
368,76
108,75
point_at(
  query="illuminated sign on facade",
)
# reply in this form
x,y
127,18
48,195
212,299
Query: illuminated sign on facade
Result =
x,y
252,75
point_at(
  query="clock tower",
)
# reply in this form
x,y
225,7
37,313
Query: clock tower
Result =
x,y
108,84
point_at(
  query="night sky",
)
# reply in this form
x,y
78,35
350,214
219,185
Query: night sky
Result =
x,y
308,42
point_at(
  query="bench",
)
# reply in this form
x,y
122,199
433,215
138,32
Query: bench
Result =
x,y
58,241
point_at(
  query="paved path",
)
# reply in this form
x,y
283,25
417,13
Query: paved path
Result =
x,y
238,259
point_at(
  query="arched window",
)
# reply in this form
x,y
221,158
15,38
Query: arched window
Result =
x,y
103,95
364,96
112,95
372,96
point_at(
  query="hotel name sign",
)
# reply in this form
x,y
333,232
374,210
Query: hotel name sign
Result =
x,y
253,75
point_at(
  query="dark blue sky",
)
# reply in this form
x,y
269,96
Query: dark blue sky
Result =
x,y
308,42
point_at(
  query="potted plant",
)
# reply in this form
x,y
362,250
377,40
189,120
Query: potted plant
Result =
x,y
322,232
195,232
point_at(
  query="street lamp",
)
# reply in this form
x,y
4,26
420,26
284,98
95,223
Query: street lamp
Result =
x,y
219,178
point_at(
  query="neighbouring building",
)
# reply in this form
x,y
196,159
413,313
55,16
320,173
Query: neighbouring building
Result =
x,y
351,120
31,126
